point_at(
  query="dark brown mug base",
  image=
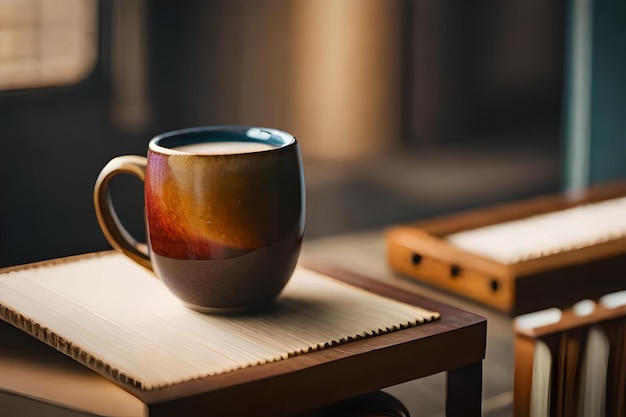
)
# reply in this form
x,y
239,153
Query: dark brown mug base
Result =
x,y
227,310
243,283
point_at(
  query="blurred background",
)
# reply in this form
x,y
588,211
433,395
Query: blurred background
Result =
x,y
404,109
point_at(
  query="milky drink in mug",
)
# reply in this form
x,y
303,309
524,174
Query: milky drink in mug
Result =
x,y
224,213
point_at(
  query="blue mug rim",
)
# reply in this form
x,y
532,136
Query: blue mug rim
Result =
x,y
166,142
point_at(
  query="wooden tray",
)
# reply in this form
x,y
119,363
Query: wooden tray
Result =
x,y
421,250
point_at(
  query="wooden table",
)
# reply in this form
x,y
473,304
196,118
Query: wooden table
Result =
x,y
454,344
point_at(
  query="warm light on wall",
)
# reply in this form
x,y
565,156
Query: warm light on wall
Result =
x,y
347,84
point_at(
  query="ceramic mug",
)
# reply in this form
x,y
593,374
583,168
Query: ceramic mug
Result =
x,y
224,209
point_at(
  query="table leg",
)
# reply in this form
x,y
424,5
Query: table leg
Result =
x,y
464,391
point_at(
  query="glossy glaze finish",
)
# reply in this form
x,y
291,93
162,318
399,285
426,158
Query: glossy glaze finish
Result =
x,y
222,206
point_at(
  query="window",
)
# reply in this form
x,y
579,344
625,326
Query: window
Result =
x,y
46,42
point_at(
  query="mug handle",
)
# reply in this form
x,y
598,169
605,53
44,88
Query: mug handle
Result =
x,y
113,230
